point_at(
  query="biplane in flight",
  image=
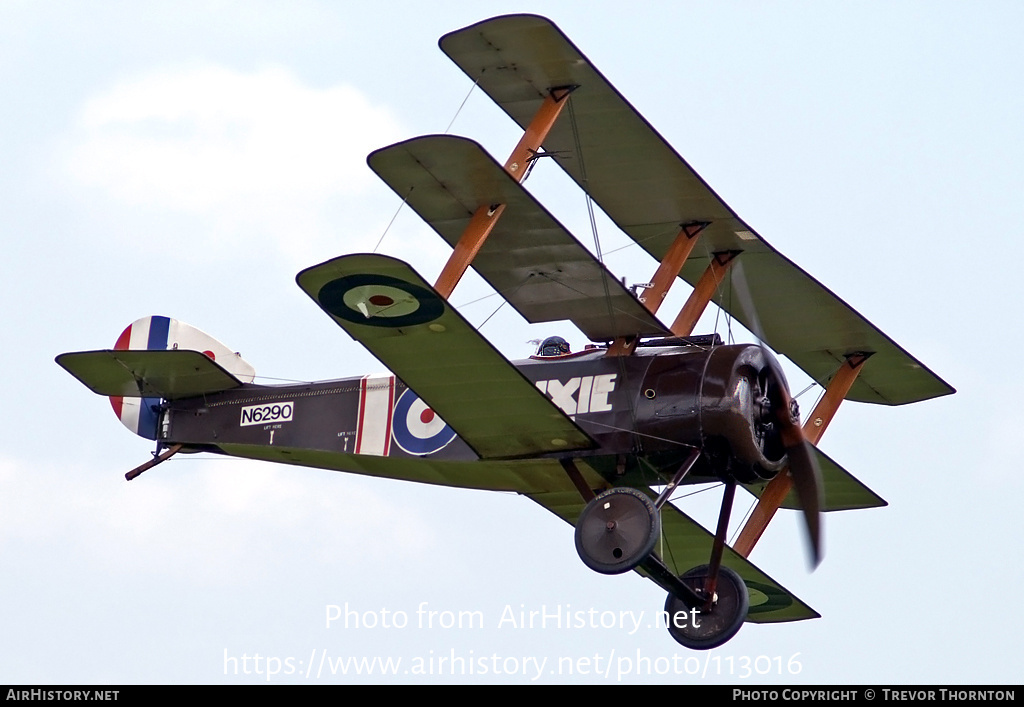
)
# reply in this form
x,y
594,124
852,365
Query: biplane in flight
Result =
x,y
600,437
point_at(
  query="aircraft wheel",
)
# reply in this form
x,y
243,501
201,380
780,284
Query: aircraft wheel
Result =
x,y
617,530
702,631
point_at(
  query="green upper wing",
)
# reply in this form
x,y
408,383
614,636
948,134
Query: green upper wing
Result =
x,y
386,306
538,266
643,185
686,544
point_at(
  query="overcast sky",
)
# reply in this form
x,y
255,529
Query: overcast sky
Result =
x,y
187,159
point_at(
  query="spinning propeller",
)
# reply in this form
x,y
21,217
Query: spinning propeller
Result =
x,y
782,412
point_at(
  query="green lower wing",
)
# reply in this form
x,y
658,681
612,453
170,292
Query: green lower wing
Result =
x,y
524,476
686,544
841,490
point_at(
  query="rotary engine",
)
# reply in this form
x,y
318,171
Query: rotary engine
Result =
x,y
725,400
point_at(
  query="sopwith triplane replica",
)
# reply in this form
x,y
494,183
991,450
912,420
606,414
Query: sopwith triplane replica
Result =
x,y
601,437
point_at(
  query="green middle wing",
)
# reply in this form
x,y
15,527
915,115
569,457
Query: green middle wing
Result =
x,y
529,257
387,307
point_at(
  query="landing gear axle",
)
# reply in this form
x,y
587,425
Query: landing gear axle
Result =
x,y
699,628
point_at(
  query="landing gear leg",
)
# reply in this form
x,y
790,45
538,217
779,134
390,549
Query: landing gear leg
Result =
x,y
723,596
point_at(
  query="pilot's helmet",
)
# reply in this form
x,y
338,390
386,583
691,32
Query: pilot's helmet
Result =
x,y
553,346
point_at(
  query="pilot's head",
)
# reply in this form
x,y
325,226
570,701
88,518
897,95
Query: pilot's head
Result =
x,y
553,346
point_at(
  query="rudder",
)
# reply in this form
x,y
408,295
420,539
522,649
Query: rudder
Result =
x,y
140,413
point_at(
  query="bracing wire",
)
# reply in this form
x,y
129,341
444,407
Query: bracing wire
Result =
x,y
743,522
461,106
388,227
446,131
481,325
584,182
809,386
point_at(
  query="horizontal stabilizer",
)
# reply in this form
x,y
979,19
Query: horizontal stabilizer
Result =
x,y
841,490
148,374
387,307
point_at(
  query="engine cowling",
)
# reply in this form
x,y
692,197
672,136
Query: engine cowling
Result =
x,y
735,408
718,399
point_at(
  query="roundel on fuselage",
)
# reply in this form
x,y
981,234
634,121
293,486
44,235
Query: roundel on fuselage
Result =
x,y
416,428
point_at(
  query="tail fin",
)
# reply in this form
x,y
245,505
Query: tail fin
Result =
x,y
139,413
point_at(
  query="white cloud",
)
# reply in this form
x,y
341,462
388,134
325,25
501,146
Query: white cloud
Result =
x,y
255,154
216,521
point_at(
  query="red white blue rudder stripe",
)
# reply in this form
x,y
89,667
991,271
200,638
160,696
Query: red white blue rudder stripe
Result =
x,y
140,415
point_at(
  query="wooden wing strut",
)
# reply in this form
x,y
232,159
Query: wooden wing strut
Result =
x,y
702,293
671,264
668,270
487,215
777,489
